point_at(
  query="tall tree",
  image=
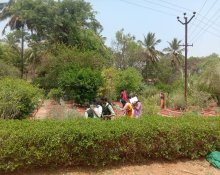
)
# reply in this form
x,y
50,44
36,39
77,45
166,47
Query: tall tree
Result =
x,y
150,55
15,23
126,51
150,52
175,51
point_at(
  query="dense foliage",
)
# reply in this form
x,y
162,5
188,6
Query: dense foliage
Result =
x,y
31,144
80,84
129,79
67,57
18,98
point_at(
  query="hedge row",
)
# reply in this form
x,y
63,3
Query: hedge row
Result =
x,y
31,144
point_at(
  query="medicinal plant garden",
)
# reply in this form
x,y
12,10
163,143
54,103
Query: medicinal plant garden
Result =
x,y
55,50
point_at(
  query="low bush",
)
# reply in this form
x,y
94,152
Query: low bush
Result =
x,y
18,98
51,143
55,94
150,105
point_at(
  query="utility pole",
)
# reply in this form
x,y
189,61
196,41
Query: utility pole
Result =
x,y
186,46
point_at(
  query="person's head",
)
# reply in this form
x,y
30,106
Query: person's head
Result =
x,y
96,102
133,100
86,104
104,100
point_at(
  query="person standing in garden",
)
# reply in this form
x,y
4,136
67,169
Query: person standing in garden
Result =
x,y
124,97
137,106
128,109
162,100
107,113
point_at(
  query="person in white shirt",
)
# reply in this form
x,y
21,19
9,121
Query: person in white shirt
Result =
x,y
95,110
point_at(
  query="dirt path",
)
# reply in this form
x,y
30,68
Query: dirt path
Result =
x,y
189,167
50,108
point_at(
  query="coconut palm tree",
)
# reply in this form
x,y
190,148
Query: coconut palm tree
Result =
x,y
150,56
15,23
149,43
175,51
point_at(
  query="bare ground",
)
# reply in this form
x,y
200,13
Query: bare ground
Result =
x,y
187,167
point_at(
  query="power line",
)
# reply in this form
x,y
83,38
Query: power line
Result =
x,y
175,5
212,33
207,22
200,10
197,16
170,14
152,9
205,29
189,10
158,4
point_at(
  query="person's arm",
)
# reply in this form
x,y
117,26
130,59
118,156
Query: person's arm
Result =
x,y
86,114
111,110
125,107
138,106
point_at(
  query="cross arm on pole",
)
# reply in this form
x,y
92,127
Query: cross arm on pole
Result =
x,y
192,17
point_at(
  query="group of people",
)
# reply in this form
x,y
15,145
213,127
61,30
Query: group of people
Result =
x,y
131,107
100,109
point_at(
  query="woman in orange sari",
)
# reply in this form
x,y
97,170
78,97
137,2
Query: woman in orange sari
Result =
x,y
128,109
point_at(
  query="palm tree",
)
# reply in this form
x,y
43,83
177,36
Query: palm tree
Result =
x,y
15,23
175,51
34,55
150,53
150,56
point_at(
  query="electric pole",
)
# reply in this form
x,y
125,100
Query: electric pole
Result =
x,y
186,46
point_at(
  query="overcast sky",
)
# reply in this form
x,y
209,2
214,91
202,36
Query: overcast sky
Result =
x,y
138,17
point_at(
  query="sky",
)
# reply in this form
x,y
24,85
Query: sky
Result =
x,y
138,17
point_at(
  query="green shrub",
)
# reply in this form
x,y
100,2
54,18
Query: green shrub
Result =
x,y
148,91
150,105
51,143
168,88
55,94
177,101
108,88
7,70
81,84
129,79
198,99
18,98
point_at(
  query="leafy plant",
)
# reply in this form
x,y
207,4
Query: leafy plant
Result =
x,y
55,94
109,76
129,79
32,144
81,84
18,98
